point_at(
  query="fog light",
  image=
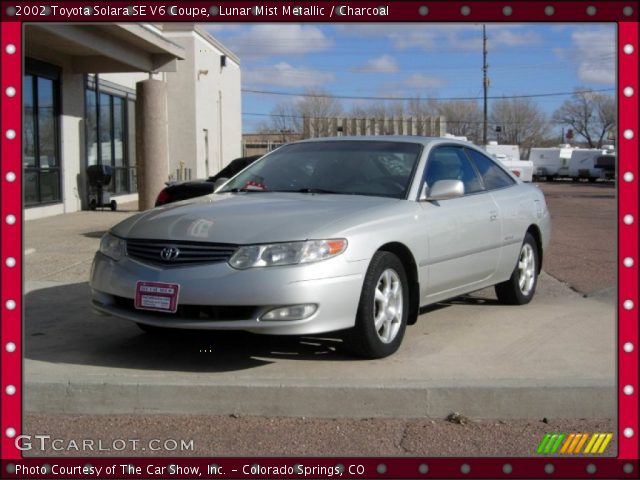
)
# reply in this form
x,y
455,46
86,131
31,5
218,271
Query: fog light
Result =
x,y
294,312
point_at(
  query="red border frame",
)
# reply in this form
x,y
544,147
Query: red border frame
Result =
x,y
575,11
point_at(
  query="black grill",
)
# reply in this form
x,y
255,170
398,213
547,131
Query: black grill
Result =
x,y
189,253
196,312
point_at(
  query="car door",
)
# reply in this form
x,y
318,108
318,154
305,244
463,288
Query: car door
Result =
x,y
511,202
462,233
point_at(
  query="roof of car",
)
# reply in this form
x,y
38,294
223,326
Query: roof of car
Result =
x,y
387,138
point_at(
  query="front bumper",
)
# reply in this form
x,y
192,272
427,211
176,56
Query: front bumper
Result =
x,y
333,285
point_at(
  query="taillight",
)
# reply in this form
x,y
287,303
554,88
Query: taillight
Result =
x,y
163,197
516,172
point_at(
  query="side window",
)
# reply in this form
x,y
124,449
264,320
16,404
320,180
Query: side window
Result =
x,y
450,163
492,175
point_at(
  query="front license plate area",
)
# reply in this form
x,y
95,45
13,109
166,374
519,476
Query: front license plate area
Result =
x,y
157,296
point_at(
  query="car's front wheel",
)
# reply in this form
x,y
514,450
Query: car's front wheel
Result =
x,y
383,310
520,288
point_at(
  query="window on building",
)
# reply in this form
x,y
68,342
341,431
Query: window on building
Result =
x,y
41,145
110,137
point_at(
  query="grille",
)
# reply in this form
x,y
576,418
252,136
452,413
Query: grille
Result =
x,y
196,312
188,253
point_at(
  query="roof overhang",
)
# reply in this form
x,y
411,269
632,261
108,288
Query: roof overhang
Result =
x,y
105,48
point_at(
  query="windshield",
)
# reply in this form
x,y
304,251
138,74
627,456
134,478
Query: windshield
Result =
x,y
347,167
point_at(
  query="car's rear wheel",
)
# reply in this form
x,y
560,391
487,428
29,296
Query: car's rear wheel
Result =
x,y
521,287
383,310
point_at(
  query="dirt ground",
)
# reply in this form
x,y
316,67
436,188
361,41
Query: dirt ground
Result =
x,y
584,234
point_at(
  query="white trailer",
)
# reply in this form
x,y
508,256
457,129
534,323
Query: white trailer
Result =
x,y
583,164
551,163
509,156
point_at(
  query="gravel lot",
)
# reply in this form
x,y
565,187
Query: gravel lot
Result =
x,y
584,234
582,254
259,436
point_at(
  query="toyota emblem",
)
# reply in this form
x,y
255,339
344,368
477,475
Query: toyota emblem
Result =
x,y
169,253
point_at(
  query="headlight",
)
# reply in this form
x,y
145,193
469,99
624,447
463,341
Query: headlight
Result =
x,y
112,246
290,253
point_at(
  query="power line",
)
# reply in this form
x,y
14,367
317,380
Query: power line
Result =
x,y
358,117
354,97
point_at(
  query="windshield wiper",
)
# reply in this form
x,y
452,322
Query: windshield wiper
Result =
x,y
244,189
310,190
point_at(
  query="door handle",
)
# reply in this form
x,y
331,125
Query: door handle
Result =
x,y
493,216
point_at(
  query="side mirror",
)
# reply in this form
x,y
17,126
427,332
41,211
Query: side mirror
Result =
x,y
442,190
219,182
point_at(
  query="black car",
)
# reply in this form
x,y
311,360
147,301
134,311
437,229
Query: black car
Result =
x,y
196,188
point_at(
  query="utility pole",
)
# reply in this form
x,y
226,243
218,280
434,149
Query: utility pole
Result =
x,y
485,82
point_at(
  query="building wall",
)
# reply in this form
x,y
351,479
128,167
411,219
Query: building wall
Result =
x,y
128,79
230,113
181,103
210,101
209,97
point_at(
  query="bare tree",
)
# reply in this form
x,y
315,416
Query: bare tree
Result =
x,y
420,107
377,110
289,116
590,114
521,122
463,117
318,106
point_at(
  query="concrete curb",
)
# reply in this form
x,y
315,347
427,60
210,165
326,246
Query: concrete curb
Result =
x,y
507,402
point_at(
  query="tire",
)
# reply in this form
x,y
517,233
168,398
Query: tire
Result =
x,y
521,287
93,205
385,297
113,205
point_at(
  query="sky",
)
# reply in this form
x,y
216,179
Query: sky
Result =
x,y
411,59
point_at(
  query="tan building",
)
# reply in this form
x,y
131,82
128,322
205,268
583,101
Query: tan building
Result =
x,y
261,143
82,86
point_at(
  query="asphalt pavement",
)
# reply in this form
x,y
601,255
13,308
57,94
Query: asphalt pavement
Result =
x,y
554,358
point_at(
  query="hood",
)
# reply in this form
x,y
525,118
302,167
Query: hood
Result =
x,y
246,218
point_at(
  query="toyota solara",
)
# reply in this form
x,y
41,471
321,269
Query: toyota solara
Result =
x,y
347,234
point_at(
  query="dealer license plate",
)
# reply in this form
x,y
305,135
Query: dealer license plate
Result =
x,y
160,297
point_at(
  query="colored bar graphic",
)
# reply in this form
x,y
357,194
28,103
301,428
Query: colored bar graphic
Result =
x,y
551,443
607,439
565,447
590,444
561,437
573,443
582,442
543,443
596,446
576,439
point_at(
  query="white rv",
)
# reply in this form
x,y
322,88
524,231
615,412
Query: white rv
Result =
x,y
588,164
551,163
509,156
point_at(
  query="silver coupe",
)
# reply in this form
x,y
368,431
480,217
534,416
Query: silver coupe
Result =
x,y
347,234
